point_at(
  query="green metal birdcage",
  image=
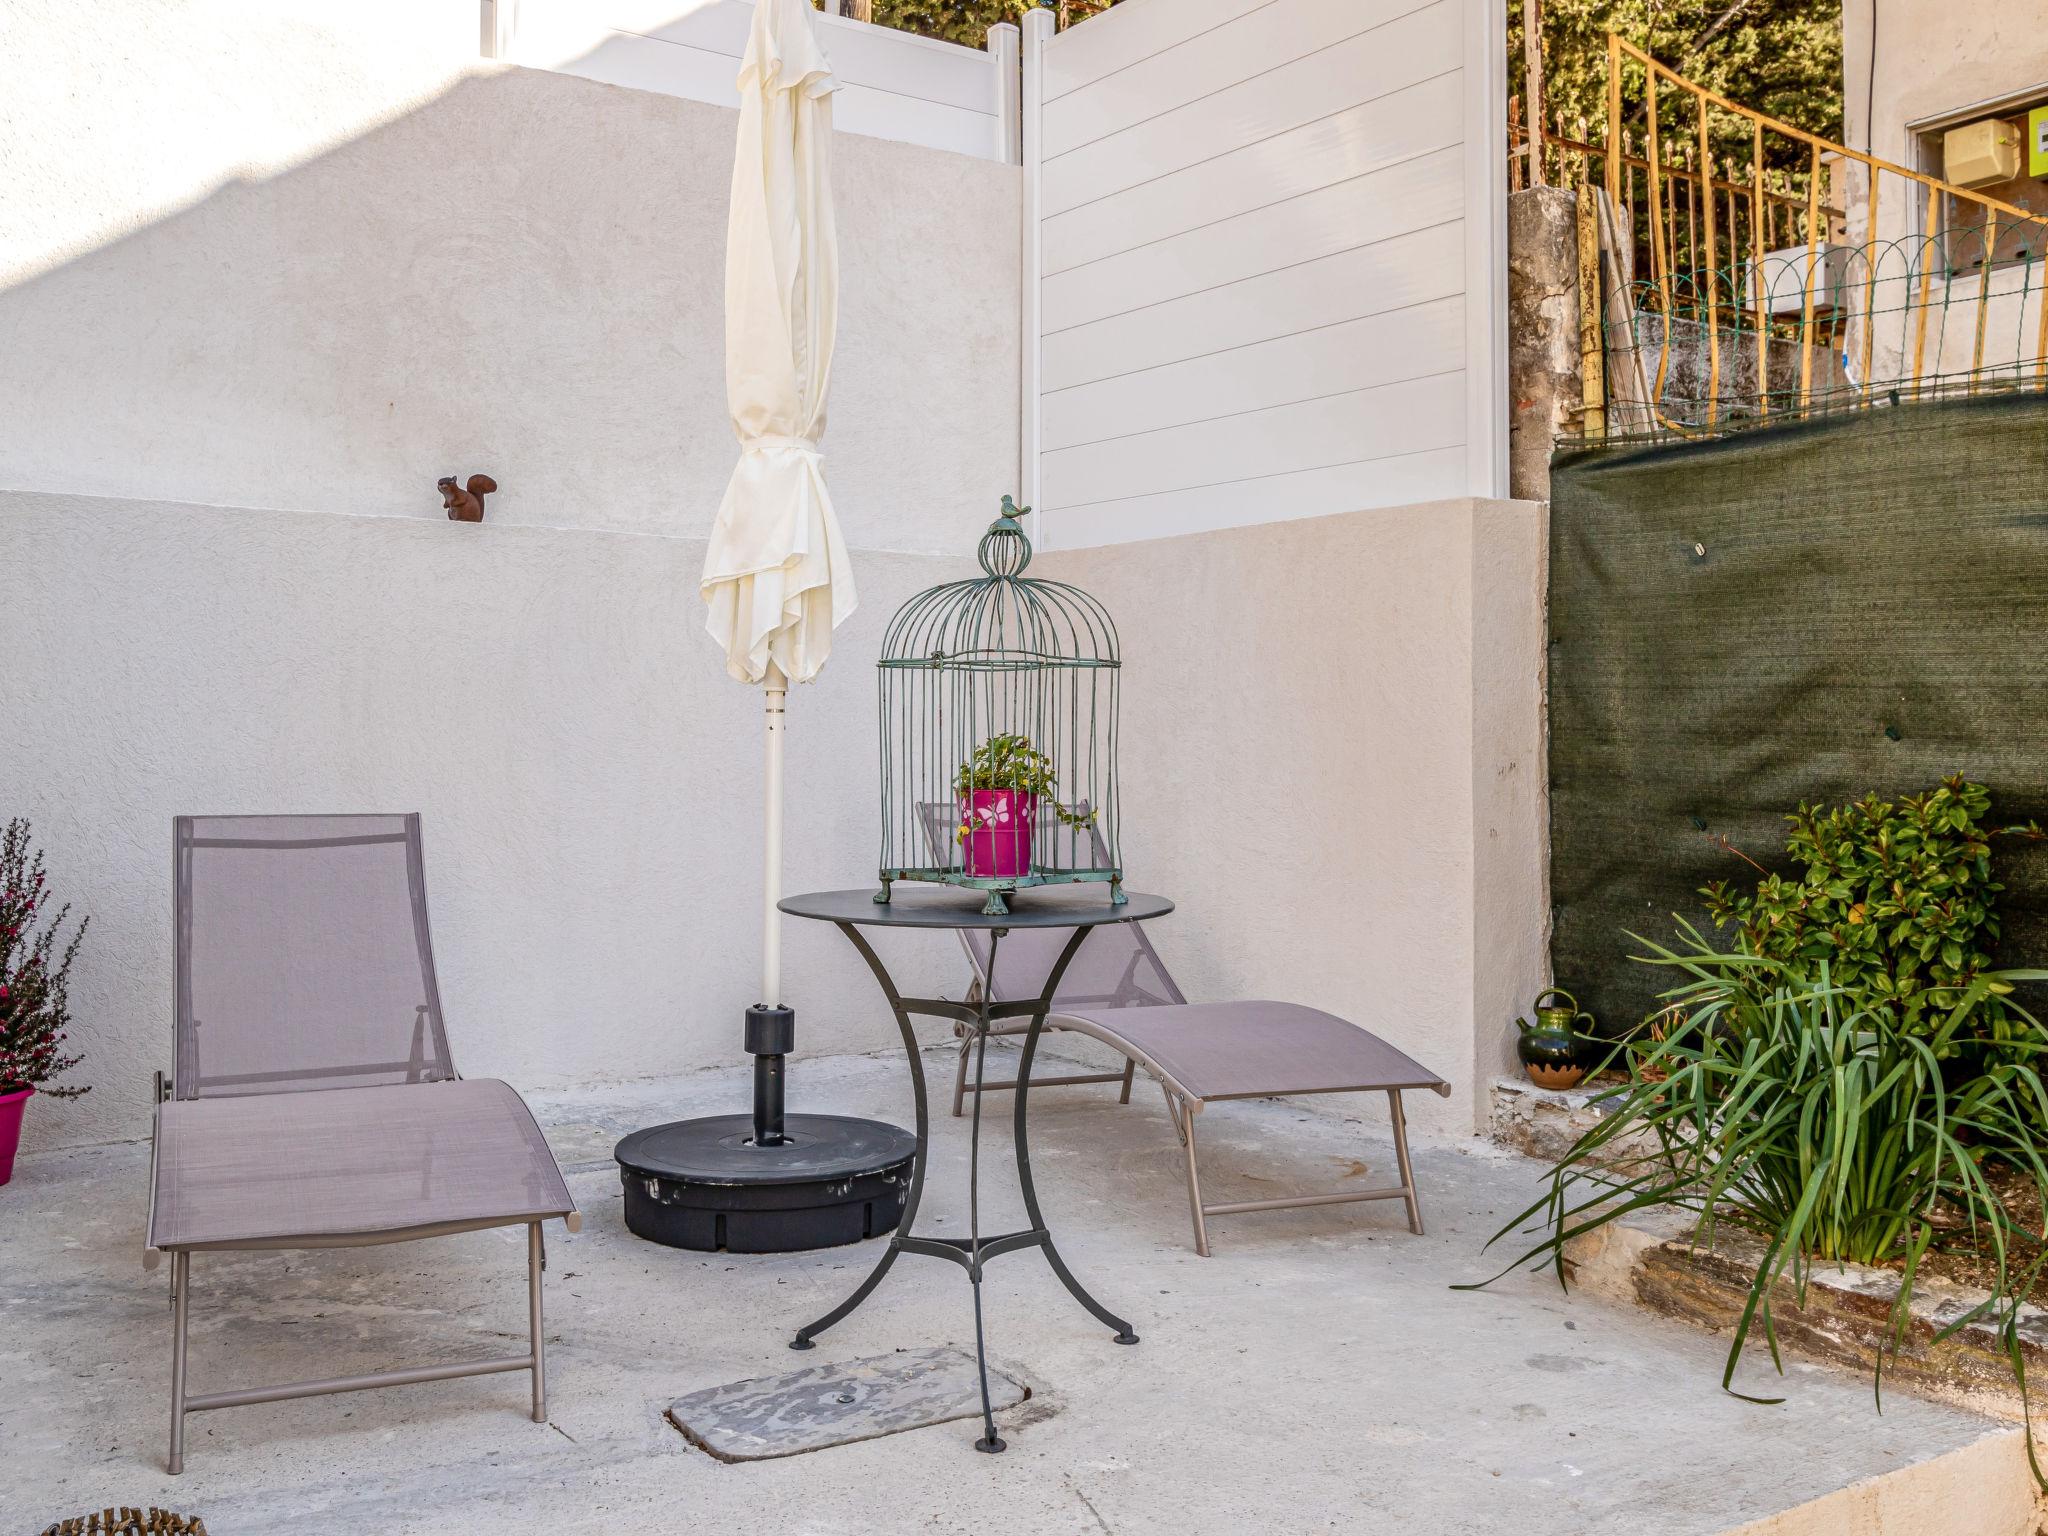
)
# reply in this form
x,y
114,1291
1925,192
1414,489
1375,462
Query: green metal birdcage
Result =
x,y
999,725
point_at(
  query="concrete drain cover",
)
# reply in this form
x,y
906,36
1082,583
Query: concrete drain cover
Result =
x,y
827,1405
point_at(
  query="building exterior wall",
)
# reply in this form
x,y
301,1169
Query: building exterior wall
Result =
x,y
331,263
1257,263
1349,814
1932,59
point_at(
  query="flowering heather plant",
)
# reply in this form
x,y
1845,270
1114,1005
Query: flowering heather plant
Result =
x,y
34,1006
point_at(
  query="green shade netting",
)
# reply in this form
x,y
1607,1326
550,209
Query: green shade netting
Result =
x,y
1807,612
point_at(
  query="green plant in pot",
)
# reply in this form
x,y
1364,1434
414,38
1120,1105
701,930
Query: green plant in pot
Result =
x,y
998,790
35,1012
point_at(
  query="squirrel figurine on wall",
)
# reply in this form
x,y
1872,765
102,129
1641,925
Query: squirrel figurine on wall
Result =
x,y
465,504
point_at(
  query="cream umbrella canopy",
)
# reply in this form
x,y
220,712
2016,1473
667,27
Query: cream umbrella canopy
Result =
x,y
776,575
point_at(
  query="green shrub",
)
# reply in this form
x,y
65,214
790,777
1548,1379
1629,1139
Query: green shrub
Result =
x,y
1899,900
1852,1081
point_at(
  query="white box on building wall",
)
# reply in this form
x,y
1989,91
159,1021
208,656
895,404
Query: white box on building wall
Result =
x,y
1981,154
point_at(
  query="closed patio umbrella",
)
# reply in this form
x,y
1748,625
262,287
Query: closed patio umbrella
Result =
x,y
777,582
776,577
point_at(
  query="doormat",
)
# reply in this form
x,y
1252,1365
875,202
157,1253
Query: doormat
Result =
x,y
828,1405
129,1522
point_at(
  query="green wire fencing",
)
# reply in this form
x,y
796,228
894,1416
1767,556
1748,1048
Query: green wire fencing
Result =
x,y
1924,316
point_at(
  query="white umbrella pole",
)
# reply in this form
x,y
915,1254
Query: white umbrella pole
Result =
x,y
775,690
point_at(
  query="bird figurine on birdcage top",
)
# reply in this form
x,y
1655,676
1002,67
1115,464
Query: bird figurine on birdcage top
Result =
x,y
999,731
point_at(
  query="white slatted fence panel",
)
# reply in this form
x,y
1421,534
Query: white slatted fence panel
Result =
x,y
1256,266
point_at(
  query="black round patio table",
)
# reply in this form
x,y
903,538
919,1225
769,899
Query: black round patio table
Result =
x,y
1082,909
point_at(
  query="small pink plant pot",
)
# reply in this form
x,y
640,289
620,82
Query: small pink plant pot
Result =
x,y
11,1107
997,844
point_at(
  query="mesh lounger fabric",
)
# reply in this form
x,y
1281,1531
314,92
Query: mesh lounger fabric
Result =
x,y
316,1100
1118,990
342,1163
1248,1050
303,958
1115,967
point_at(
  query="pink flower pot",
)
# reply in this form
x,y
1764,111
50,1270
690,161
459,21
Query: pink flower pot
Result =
x,y
998,841
11,1106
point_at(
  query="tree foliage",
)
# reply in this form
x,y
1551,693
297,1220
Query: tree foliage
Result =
x,y
966,21
1779,57
952,21
1782,58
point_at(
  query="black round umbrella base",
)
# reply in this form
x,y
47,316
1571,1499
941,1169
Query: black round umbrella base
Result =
x,y
704,1184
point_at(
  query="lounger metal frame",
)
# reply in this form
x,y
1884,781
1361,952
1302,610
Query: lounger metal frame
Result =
x,y
1182,1106
183,1402
964,1033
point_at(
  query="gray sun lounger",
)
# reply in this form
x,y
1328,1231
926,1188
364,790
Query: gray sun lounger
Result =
x,y
1117,990
313,1103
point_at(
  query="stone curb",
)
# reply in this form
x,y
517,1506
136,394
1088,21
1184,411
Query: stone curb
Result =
x,y
1649,1261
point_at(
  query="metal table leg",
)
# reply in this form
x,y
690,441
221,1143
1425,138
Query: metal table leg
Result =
x,y
809,1331
990,1441
1020,1131
972,1252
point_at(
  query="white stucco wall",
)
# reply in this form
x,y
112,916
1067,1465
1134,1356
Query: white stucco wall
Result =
x,y
255,298
1333,761
267,270
1510,781
292,256
1348,810
589,779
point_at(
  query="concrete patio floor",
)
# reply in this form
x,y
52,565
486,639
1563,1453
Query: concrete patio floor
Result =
x,y
1316,1374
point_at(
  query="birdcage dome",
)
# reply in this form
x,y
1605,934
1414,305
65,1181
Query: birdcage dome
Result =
x,y
998,700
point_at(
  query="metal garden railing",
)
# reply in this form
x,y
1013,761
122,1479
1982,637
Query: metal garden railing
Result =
x,y
1753,268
